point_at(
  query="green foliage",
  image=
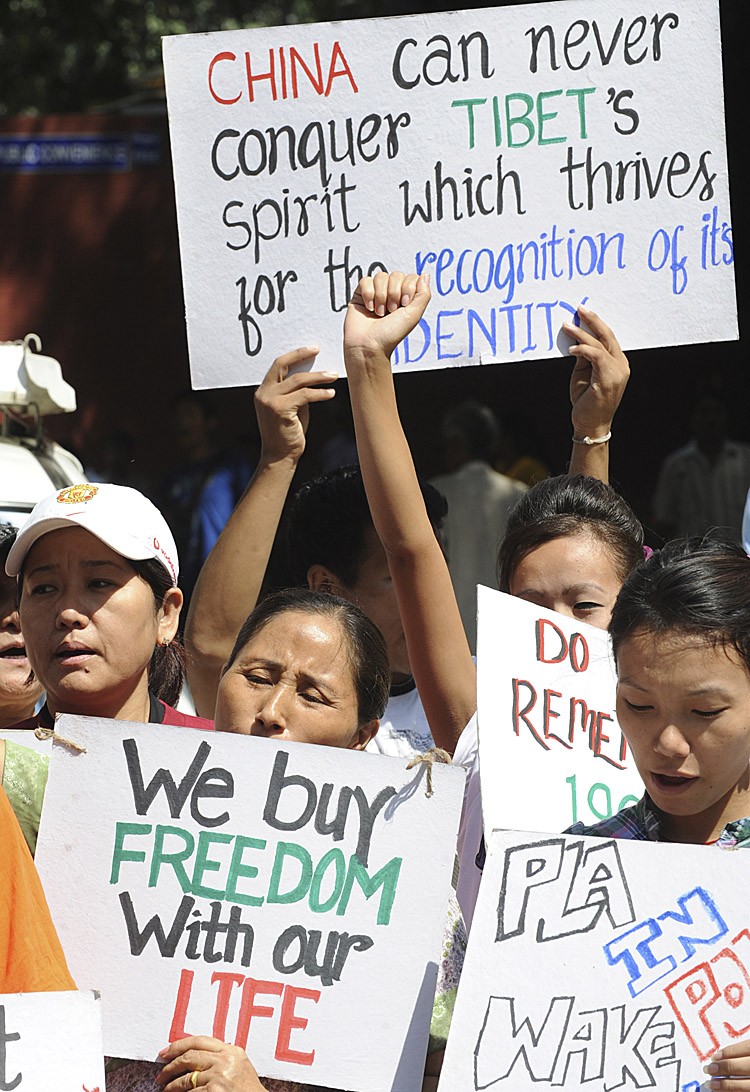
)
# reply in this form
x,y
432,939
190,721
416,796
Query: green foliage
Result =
x,y
62,56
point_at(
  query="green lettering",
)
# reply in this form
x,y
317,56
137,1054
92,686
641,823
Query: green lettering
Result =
x,y
387,878
120,854
203,863
284,850
316,905
237,869
174,859
512,120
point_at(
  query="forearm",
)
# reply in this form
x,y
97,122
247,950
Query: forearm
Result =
x,y
591,460
231,578
438,651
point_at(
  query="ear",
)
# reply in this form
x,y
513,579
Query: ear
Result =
x,y
168,616
319,578
364,735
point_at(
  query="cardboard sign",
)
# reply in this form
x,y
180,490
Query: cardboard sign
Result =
x,y
601,964
284,897
25,738
551,750
51,1040
529,158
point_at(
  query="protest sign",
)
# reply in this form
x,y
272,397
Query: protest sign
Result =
x,y
51,1040
529,158
25,738
551,750
287,898
601,964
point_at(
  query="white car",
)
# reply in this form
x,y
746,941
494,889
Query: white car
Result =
x,y
31,466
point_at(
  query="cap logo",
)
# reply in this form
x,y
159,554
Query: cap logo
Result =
x,y
77,494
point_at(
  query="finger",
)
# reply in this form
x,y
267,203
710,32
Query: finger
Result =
x,y
734,1050
600,328
395,291
283,363
730,1085
365,294
191,1042
298,381
185,1082
408,289
582,336
380,283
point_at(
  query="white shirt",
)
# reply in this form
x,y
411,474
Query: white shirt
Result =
x,y
471,827
404,731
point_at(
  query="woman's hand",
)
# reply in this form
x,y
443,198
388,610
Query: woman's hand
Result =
x,y
384,310
219,1067
599,377
732,1062
282,404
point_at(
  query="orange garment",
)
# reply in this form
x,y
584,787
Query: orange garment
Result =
x,y
31,957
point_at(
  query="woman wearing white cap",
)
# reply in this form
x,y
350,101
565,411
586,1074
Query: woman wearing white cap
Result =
x,y
99,607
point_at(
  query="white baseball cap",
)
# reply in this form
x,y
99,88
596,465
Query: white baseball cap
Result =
x,y
120,516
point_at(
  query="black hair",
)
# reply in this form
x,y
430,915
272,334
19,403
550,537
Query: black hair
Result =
x,y
570,504
166,671
697,586
7,538
329,518
367,650
476,428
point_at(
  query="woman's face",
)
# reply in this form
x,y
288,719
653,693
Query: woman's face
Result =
x,y
91,625
573,575
18,696
293,680
684,707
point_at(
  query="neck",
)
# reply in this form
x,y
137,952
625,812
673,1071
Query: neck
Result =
x,y
11,715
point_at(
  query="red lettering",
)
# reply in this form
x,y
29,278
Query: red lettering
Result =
x,y
550,714
177,1030
576,640
333,72
541,655
248,1008
226,981
600,738
290,1021
588,718
296,60
520,714
214,61
270,75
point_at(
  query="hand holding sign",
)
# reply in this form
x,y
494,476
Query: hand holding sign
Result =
x,y
282,404
218,1065
599,377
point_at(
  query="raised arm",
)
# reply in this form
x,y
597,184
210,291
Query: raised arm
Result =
x,y
383,311
231,578
597,385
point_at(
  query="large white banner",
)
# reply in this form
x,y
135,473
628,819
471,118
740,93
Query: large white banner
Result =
x,y
284,897
600,964
51,1041
551,750
529,158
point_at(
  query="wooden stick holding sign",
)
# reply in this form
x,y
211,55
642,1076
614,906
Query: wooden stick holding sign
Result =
x,y
575,163
253,890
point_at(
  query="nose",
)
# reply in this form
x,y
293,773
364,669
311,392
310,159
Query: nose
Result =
x,y
9,620
271,716
671,743
70,618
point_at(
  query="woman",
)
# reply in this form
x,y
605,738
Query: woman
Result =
x,y
307,667
570,540
99,606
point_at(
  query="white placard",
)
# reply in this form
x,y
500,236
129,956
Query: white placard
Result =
x,y
601,964
551,750
51,1041
264,894
27,738
529,158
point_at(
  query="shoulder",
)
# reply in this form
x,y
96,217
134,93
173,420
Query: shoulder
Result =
x,y
638,823
185,720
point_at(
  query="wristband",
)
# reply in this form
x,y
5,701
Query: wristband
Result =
x,y
589,441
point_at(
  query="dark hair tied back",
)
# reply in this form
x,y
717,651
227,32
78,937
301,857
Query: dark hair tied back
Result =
x,y
698,586
166,671
571,504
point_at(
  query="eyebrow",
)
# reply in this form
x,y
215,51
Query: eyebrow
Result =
x,y
696,692
273,665
53,566
577,588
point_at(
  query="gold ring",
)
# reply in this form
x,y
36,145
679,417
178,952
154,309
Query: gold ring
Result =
x,y
194,1078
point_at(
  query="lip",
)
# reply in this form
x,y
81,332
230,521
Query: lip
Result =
x,y
70,655
670,784
14,653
